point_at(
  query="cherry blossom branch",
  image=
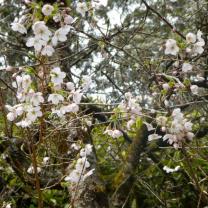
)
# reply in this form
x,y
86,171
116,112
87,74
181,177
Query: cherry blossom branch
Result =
x,y
32,149
164,20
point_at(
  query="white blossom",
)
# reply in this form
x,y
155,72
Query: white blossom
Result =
x,y
177,114
48,50
75,146
27,1
198,46
26,81
186,67
70,86
152,137
60,35
194,89
33,113
35,42
8,205
77,96
190,135
24,123
72,108
59,112
19,28
178,130
128,95
57,75
114,133
166,86
46,160
68,19
149,126
134,107
88,122
11,116
86,151
81,8
79,174
167,103
74,176
170,170
199,77
188,50
176,127
57,17
47,9
168,137
41,31
22,84
55,98
14,111
82,164
98,3
86,82
89,173
188,126
31,170
171,47
35,98
130,105
199,38
163,129
190,38
21,96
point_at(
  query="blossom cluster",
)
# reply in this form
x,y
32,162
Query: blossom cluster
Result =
x,y
194,47
31,169
64,97
82,7
74,96
130,106
177,128
179,85
194,42
44,39
29,106
113,133
81,171
29,102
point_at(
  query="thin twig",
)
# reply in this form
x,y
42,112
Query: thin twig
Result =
x,y
164,20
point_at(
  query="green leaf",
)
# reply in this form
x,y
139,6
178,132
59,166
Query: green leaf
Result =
x,y
139,123
30,70
164,92
186,82
171,83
